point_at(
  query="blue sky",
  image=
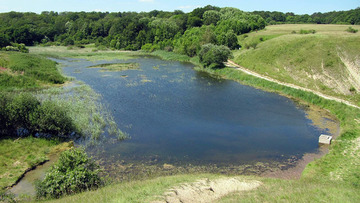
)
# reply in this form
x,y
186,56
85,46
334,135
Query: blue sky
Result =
x,y
298,7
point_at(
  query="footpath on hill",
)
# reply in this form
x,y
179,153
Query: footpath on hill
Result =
x,y
247,71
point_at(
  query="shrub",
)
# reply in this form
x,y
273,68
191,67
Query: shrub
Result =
x,y
253,45
307,32
73,173
352,30
150,47
24,115
214,56
352,89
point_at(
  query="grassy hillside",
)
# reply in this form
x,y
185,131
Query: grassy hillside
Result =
x,y
20,70
327,61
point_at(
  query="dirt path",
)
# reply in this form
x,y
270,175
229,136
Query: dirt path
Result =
x,y
238,67
206,190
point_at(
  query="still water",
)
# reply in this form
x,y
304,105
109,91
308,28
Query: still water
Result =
x,y
176,115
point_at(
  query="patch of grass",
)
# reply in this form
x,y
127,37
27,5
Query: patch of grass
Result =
x,y
20,70
115,67
18,155
276,190
307,32
83,53
352,30
135,191
172,56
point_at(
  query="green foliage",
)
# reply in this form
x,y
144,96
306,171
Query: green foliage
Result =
x,y
352,30
334,17
214,56
150,47
229,39
211,17
4,40
24,115
126,30
307,32
73,173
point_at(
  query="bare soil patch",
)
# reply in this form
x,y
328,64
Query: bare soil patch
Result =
x,y
206,190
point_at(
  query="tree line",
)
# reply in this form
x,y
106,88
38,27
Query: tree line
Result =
x,y
335,17
183,32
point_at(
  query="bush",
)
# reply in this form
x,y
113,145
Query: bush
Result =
x,y
214,56
352,30
73,173
307,32
24,115
150,47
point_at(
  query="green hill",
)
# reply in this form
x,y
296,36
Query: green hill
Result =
x,y
327,61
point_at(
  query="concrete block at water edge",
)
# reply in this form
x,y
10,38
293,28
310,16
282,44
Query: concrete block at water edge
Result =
x,y
325,139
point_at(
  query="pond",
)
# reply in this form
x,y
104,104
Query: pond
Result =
x,y
177,116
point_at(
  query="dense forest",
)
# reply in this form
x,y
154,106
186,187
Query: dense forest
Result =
x,y
177,31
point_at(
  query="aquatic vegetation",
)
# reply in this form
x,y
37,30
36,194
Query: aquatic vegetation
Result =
x,y
115,67
90,117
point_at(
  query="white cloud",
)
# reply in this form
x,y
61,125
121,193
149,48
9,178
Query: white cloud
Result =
x,y
147,1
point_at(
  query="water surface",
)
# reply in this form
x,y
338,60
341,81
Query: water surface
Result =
x,y
180,116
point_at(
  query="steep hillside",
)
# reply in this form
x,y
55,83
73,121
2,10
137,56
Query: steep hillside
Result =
x,y
327,61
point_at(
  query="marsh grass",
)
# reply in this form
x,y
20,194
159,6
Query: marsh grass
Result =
x,y
25,71
171,56
116,67
83,53
91,118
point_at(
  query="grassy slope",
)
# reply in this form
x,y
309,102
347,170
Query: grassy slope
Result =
x,y
23,71
316,61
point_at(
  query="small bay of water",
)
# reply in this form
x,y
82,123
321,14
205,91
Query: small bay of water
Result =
x,y
176,115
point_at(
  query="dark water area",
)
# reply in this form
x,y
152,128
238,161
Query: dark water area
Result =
x,y
176,115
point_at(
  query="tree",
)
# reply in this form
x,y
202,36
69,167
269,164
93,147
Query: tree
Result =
x,y
229,39
211,17
214,56
4,40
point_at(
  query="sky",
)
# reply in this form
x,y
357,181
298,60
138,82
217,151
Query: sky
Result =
x,y
295,6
